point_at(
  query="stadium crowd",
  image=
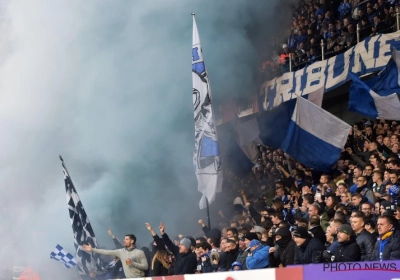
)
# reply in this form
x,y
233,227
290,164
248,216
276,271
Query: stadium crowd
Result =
x,y
334,23
283,213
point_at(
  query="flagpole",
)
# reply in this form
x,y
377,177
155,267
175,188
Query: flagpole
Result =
x,y
208,214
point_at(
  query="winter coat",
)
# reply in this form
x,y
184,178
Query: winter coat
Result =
x,y
309,252
390,248
159,269
284,254
348,251
242,258
259,258
319,233
185,263
229,258
366,242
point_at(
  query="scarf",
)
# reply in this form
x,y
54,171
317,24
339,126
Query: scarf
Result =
x,y
382,243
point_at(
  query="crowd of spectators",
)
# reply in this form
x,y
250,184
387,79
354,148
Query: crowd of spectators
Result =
x,y
283,213
330,25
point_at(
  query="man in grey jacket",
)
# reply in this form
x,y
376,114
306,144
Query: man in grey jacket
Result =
x,y
133,260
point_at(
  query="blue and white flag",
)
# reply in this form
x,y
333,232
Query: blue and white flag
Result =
x,y
387,81
365,101
59,254
82,229
315,137
207,157
274,124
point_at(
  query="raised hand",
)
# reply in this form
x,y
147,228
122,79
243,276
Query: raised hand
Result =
x,y
148,226
87,248
201,222
110,233
162,228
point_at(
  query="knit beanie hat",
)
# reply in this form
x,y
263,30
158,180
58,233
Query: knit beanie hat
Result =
x,y
251,236
300,232
186,242
192,241
346,229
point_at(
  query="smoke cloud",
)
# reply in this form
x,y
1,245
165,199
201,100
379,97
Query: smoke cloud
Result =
x,y
107,84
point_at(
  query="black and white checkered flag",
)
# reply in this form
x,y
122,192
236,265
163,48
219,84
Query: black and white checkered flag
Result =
x,y
59,254
82,229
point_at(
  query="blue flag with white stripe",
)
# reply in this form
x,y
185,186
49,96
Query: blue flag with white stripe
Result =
x,y
315,136
207,157
59,254
365,101
274,124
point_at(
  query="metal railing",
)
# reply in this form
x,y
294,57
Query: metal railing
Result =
x,y
292,65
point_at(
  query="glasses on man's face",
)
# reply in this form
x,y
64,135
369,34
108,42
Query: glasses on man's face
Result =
x,y
365,209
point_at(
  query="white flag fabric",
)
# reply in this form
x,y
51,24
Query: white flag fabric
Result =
x,y
388,107
207,157
317,96
247,135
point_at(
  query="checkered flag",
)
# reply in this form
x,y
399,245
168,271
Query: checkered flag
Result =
x,y
82,229
59,254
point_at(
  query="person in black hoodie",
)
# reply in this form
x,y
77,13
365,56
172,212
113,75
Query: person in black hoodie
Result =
x,y
348,251
284,250
186,260
308,249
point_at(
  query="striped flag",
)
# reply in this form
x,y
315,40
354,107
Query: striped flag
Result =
x,y
207,157
82,229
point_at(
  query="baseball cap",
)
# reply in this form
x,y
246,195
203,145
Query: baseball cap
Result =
x,y
284,46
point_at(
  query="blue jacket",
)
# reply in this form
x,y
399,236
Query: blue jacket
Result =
x,y
259,258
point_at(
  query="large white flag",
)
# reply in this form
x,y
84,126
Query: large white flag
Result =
x,y
206,158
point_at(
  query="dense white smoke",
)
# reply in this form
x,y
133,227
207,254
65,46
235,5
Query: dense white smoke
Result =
x,y
107,84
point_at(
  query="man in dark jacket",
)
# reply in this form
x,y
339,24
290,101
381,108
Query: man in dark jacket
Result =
x,y
231,253
186,260
284,250
388,245
364,239
308,249
316,229
349,251
242,253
